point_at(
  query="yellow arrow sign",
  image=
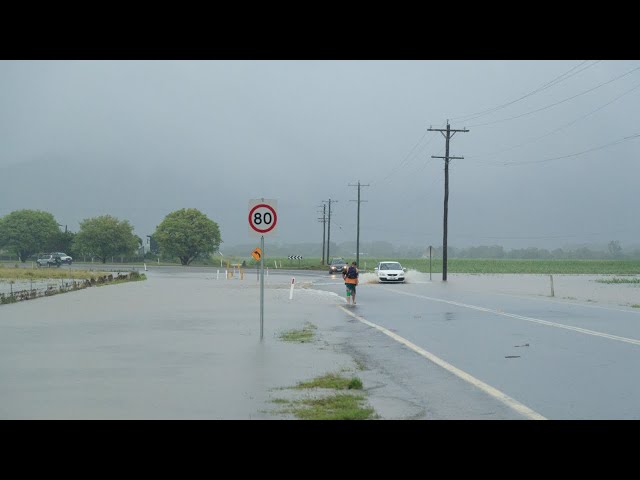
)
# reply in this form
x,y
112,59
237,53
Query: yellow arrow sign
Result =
x,y
257,253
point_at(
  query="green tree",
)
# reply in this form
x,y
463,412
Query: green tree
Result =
x,y
615,250
26,232
104,237
186,234
62,242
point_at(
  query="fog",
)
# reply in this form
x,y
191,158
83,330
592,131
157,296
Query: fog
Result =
x,y
550,158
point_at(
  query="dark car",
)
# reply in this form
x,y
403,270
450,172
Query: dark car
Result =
x,y
337,265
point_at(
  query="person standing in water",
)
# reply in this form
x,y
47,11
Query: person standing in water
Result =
x,y
350,281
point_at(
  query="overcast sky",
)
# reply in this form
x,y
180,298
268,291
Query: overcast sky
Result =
x,y
550,159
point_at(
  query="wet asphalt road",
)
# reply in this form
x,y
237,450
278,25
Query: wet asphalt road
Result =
x,y
563,359
185,344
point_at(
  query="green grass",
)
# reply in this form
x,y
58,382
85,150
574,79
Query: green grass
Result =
x,y
635,305
619,280
334,381
469,265
466,265
335,406
301,336
454,265
12,273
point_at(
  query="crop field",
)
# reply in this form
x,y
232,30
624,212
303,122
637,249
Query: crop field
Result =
x,y
468,265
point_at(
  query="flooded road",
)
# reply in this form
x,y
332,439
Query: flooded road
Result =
x,y
185,344
570,356
180,345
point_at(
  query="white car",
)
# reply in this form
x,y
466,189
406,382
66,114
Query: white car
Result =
x,y
390,272
64,257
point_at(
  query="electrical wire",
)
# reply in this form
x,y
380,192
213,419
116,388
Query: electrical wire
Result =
x,y
407,158
562,127
574,154
549,84
557,103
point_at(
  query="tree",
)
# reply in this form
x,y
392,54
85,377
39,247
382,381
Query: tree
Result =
x,y
62,242
186,234
27,232
104,237
615,249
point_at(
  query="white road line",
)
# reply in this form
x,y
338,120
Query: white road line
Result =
x,y
563,302
495,393
528,319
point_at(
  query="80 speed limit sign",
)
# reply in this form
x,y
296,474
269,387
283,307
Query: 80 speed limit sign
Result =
x,y
262,216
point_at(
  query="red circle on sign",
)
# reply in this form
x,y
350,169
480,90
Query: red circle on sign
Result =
x,y
275,218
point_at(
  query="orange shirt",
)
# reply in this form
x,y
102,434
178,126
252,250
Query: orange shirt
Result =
x,y
353,281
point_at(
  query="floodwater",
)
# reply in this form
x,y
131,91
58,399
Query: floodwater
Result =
x,y
176,346
186,344
583,288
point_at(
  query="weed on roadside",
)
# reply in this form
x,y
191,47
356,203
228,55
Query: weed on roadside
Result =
x,y
326,403
301,336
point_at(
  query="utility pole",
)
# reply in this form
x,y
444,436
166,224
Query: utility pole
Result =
x,y
450,133
358,229
329,226
324,223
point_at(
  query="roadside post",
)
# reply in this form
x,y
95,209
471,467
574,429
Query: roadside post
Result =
x,y
257,255
293,281
262,221
429,262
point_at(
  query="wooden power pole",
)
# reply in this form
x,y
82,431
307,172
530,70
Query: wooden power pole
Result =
x,y
358,229
324,228
449,134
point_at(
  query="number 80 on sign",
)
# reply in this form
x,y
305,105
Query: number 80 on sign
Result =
x,y
262,216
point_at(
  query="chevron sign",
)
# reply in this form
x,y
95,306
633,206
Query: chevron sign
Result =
x,y
295,257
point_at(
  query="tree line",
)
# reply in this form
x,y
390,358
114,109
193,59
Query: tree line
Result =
x,y
380,249
184,234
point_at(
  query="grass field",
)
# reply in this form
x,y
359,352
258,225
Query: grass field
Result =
x,y
12,273
454,265
468,265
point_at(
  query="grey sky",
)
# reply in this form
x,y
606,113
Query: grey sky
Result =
x,y
140,139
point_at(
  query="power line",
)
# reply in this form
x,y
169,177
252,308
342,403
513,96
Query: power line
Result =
x,y
405,160
408,157
562,127
549,84
575,154
557,103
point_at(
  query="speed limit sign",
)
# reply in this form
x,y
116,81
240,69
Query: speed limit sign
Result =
x,y
262,216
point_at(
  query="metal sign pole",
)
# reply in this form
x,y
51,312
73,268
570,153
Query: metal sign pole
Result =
x,y
262,288
429,262
262,220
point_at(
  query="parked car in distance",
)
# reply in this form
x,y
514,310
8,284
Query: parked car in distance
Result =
x,y
390,271
63,257
337,265
48,260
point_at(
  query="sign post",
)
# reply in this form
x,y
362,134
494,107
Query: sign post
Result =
x,y
262,221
